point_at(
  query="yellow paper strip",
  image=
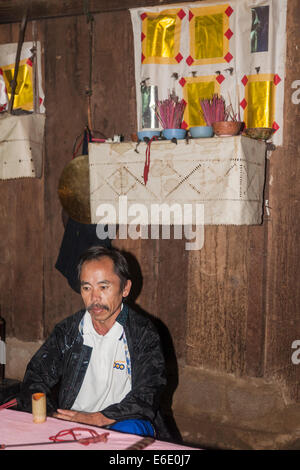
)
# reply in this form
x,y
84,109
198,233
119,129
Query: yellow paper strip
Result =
x,y
24,91
209,36
208,43
161,37
195,89
260,94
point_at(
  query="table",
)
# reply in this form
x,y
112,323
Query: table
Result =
x,y
17,427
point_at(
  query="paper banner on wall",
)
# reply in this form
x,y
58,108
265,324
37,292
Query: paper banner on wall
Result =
x,y
29,80
234,48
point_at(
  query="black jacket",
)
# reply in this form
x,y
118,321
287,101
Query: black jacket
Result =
x,y
63,360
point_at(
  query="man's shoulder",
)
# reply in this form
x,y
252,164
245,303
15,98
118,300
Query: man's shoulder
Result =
x,y
140,319
72,321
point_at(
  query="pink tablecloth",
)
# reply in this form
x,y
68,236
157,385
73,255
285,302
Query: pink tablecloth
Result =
x,y
18,428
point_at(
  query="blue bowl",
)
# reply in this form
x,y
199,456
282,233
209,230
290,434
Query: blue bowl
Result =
x,y
174,133
149,134
201,131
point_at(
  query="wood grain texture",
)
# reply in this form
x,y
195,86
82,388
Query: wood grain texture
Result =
x,y
21,244
11,11
283,268
219,313
66,78
113,98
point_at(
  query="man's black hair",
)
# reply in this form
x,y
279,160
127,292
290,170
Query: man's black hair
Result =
x,y
120,263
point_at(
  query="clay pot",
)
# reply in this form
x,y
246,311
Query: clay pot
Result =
x,y
227,128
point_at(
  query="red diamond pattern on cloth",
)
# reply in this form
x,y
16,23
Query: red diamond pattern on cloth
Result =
x,y
229,11
184,125
181,14
228,57
143,57
189,60
179,57
277,79
191,15
143,16
228,33
275,126
142,36
244,80
243,103
182,81
220,78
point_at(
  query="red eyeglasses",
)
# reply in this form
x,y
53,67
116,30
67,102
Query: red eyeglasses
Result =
x,y
91,436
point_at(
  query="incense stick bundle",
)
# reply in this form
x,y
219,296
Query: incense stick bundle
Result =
x,y
170,112
213,110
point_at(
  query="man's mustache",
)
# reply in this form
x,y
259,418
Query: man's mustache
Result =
x,y
92,306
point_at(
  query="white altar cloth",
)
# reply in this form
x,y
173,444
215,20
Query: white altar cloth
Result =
x,y
226,175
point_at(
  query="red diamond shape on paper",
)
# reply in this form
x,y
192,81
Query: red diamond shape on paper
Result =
x,y
143,57
182,81
228,33
220,78
243,103
184,125
143,16
179,57
277,79
229,11
189,60
181,14
191,15
142,36
275,126
244,80
228,57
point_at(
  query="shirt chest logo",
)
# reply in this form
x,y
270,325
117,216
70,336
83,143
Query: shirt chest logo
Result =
x,y
119,365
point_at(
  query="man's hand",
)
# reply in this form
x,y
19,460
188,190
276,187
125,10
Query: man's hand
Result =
x,y
94,419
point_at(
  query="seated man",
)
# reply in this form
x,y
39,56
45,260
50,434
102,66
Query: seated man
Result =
x,y
106,359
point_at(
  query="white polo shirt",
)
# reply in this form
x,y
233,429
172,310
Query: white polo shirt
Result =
x,y
107,379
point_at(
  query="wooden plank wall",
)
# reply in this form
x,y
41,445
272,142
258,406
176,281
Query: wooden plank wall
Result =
x,y
21,245
283,267
230,307
66,79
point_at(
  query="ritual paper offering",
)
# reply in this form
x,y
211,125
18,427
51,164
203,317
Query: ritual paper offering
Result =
x,y
233,48
39,407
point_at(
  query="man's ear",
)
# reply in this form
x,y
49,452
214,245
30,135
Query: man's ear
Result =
x,y
127,288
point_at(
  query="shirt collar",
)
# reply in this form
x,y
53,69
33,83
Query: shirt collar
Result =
x,y
121,318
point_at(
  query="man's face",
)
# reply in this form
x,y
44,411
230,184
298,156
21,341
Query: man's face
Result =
x,y
101,292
